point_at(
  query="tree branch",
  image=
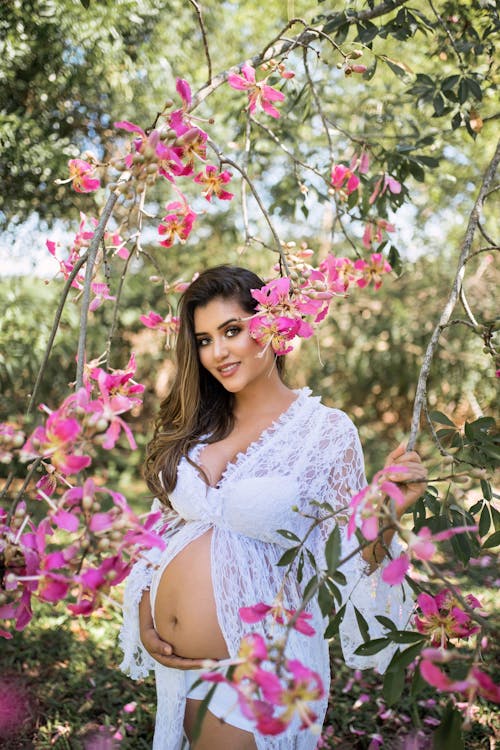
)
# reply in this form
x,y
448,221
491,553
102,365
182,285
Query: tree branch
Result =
x,y
204,37
91,256
474,217
283,46
55,326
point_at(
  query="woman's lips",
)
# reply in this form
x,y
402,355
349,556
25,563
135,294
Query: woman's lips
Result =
x,y
227,370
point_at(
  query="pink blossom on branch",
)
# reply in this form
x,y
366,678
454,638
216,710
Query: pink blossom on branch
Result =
x,y
177,223
81,172
213,181
260,94
442,617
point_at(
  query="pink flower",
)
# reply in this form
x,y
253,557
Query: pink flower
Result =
x,y
57,442
344,180
385,182
169,324
475,683
395,571
259,93
442,617
101,292
81,176
367,503
276,332
177,223
280,614
214,182
184,90
372,270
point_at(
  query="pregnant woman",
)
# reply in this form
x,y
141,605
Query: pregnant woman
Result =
x,y
235,453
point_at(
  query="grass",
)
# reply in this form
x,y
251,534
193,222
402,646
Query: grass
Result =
x,y
60,688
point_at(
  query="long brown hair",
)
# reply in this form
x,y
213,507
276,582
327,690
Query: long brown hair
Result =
x,y
197,404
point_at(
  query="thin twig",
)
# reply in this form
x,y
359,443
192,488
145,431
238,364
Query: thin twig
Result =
x,y
114,321
317,101
453,296
89,270
204,37
55,327
466,306
34,466
447,32
8,482
279,248
289,153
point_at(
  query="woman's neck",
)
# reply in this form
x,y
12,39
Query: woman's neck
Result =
x,y
264,397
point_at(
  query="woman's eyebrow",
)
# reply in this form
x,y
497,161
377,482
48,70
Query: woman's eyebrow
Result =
x,y
231,320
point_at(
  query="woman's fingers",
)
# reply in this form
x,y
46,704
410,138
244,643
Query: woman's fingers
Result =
x,y
154,644
180,662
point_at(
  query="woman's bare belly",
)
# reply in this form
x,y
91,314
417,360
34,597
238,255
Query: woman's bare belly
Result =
x,y
185,610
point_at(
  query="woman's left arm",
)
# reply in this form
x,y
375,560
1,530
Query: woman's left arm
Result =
x,y
412,482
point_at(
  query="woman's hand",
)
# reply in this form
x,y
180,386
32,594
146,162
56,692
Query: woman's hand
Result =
x,y
161,651
412,481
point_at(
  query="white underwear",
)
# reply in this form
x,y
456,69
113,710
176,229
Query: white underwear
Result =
x,y
223,703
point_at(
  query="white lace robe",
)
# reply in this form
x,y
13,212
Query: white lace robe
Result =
x,y
310,453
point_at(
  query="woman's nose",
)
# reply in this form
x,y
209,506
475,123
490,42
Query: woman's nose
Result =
x,y
220,348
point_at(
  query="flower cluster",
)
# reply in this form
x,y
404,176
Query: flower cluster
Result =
x,y
346,186
269,696
171,151
292,306
113,244
90,537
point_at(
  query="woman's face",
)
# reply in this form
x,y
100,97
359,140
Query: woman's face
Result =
x,y
226,348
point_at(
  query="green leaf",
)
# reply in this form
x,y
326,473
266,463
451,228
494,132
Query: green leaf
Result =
x,y
385,622
449,83
417,684
438,416
398,67
496,517
486,490
288,556
333,550
463,90
325,600
334,624
362,625
484,521
406,636
372,647
403,659
85,3
475,88
492,541
394,682
310,585
367,31
288,535
339,577
448,736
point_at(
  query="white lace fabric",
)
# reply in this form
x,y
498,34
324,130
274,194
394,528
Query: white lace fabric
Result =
x,y
311,453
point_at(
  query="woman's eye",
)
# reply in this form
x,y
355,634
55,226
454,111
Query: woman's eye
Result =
x,y
233,331
202,342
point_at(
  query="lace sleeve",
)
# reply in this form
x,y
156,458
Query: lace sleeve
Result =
x,y
136,660
368,594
